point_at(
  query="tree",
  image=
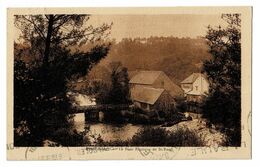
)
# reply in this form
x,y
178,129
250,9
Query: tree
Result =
x,y
41,105
45,33
223,105
119,93
100,89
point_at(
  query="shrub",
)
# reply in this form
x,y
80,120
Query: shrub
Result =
x,y
181,105
185,138
150,137
161,137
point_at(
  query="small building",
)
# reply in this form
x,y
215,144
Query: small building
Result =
x,y
155,79
195,87
149,99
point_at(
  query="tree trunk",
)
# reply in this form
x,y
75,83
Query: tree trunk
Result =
x,y
48,41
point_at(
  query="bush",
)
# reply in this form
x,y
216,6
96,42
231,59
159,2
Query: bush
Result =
x,y
150,137
181,105
219,108
185,138
161,137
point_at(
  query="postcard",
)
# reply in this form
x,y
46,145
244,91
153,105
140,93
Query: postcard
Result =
x,y
129,83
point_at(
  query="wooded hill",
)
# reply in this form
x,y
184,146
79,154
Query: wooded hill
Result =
x,y
177,57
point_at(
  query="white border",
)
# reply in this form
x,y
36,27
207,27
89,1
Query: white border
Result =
x,y
130,3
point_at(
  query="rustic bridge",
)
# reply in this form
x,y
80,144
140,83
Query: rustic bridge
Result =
x,y
97,108
92,112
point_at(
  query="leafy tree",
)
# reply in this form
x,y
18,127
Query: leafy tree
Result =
x,y
101,91
119,93
41,105
223,105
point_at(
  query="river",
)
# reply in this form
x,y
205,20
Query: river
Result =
x,y
108,132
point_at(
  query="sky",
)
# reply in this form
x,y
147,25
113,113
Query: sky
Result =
x,y
161,25
176,25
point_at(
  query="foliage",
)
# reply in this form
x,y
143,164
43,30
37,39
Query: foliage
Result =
x,y
161,137
223,106
42,69
181,105
149,136
114,90
38,31
101,92
119,93
185,138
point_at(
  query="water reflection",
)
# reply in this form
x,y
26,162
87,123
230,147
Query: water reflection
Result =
x,y
107,131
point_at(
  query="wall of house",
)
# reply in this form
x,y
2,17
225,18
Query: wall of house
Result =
x,y
165,102
186,87
200,86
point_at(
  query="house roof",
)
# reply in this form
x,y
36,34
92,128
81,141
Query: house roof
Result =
x,y
145,94
192,78
145,77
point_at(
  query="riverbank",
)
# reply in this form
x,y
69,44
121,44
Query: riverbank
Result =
x,y
124,132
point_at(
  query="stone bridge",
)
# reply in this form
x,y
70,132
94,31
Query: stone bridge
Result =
x,y
92,112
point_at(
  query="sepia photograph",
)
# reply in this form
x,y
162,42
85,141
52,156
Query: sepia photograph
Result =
x,y
130,80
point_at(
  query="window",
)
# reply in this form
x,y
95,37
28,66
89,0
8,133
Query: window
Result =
x,y
196,87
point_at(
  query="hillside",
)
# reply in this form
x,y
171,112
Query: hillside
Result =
x,y
177,57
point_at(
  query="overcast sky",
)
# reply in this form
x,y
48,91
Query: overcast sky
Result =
x,y
177,25
157,25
